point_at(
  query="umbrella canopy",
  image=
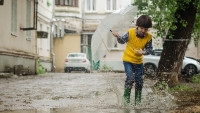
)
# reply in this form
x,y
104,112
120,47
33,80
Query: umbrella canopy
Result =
x,y
103,40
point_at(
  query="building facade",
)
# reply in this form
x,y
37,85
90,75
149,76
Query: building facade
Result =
x,y
68,28
44,26
17,35
82,18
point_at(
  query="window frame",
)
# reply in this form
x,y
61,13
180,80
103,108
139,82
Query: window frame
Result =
x,y
92,5
28,18
72,3
14,18
111,5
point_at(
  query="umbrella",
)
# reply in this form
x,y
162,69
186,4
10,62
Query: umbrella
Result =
x,y
102,39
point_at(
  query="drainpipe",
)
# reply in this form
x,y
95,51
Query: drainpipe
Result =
x,y
52,52
51,38
36,58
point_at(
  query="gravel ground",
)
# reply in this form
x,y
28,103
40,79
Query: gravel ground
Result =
x,y
77,93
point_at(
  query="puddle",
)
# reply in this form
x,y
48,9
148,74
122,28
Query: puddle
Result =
x,y
79,109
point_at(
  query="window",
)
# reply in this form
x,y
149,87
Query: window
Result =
x,y
56,31
40,43
56,2
40,39
28,18
60,32
14,18
90,5
111,5
40,27
73,3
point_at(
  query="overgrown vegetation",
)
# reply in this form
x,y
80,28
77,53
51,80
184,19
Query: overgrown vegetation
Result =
x,y
41,69
163,14
196,78
180,87
107,68
161,86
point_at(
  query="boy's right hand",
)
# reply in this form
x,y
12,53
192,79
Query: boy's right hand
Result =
x,y
115,34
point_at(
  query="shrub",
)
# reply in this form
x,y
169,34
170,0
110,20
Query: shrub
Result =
x,y
107,68
41,69
196,78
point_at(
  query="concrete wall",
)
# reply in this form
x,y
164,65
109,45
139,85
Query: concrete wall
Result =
x,y
93,18
193,51
16,49
8,64
72,16
113,59
45,13
63,46
19,41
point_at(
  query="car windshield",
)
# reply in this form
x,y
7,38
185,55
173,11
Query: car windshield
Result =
x,y
76,55
156,53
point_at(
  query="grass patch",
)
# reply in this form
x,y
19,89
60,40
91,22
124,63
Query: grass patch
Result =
x,y
162,86
196,78
107,68
180,87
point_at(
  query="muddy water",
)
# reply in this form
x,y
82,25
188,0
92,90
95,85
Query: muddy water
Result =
x,y
78,93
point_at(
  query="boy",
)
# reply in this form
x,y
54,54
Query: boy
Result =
x,y
139,43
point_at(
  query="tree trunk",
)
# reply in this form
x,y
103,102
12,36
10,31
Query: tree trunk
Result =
x,y
170,64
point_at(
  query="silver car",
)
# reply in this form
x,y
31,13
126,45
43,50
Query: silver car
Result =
x,y
189,66
77,62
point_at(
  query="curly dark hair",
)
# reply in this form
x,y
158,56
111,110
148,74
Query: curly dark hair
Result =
x,y
144,21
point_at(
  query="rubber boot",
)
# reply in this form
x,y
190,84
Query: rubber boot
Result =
x,y
127,93
138,94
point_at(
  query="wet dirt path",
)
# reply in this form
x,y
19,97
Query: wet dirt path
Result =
x,y
76,93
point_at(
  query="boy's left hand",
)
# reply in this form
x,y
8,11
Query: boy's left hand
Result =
x,y
141,52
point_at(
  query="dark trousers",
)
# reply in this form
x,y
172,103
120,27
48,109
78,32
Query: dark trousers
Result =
x,y
134,73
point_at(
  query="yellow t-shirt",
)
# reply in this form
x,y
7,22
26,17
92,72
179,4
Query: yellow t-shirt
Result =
x,y
131,55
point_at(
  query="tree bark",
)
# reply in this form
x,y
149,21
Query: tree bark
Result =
x,y
170,64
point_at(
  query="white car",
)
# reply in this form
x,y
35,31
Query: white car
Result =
x,y
77,62
189,66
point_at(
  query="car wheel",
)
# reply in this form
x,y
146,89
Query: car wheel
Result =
x,y
149,69
67,71
190,70
88,71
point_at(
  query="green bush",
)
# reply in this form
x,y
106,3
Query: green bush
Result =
x,y
196,78
41,69
161,86
107,68
180,87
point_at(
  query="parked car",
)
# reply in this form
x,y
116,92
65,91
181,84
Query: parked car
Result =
x,y
189,66
77,62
